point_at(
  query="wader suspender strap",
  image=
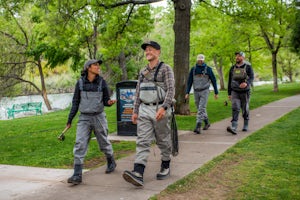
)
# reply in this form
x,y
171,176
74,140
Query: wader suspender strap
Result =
x,y
156,72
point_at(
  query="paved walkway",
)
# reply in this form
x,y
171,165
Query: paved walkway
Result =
x,y
41,184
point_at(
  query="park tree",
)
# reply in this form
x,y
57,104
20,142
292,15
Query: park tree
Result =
x,y
181,51
122,38
51,33
20,40
110,30
273,17
295,38
181,44
288,61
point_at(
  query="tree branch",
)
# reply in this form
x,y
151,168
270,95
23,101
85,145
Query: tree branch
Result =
x,y
22,80
134,2
12,37
127,20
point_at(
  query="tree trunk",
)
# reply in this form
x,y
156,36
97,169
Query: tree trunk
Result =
x,y
274,68
181,53
219,68
122,64
44,91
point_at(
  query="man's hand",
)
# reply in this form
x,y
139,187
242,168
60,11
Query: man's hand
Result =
x,y
243,85
160,113
111,102
187,96
134,118
229,97
216,96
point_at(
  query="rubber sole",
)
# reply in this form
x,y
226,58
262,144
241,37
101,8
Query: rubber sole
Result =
x,y
130,178
230,130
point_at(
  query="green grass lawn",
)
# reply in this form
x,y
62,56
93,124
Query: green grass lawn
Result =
x,y
32,141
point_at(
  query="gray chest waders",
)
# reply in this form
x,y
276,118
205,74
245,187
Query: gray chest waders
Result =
x,y
200,81
152,92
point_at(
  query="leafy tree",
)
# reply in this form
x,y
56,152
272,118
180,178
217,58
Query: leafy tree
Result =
x,y
289,63
20,41
295,39
273,17
110,30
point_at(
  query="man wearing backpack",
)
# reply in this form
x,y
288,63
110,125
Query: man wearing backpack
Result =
x,y
201,76
152,113
90,96
239,84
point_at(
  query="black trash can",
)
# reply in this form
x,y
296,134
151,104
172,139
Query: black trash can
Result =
x,y
125,100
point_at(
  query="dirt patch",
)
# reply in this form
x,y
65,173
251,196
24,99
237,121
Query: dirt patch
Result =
x,y
216,184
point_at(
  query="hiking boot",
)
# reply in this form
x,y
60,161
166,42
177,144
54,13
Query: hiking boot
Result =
x,y
163,174
111,165
134,178
197,129
245,127
77,176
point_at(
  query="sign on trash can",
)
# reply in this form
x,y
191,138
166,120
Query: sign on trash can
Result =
x,y
125,100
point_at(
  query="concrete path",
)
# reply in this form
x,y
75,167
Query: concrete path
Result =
x,y
41,184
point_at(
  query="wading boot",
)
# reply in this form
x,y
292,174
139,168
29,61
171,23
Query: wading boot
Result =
x,y
135,177
245,127
111,165
164,170
207,124
197,129
77,176
232,128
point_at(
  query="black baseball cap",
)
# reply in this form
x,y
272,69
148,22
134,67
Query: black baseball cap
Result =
x,y
153,44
